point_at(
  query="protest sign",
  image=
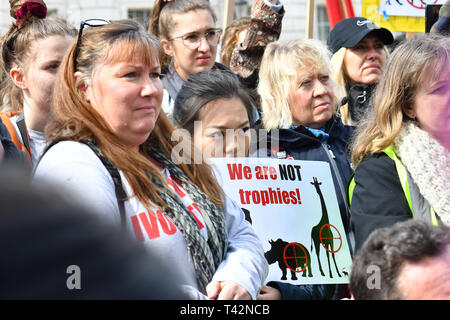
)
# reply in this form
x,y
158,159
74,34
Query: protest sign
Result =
x,y
397,15
408,8
293,209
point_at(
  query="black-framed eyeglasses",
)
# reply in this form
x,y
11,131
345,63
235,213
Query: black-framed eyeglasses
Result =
x,y
192,40
90,23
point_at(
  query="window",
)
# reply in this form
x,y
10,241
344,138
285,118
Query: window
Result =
x,y
323,25
52,12
241,9
140,15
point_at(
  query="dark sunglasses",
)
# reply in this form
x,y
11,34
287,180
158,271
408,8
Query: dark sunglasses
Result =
x,y
90,23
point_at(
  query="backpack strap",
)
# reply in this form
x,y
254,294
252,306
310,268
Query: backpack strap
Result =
x,y
113,171
20,121
12,132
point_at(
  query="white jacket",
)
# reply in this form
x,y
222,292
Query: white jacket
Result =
x,y
77,169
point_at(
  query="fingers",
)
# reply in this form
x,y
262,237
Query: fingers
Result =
x,y
227,290
212,289
269,293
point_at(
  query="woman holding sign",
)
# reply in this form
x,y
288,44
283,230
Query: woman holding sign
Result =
x,y
111,148
299,113
403,151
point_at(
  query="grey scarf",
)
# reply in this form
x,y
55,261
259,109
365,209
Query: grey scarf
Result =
x,y
206,255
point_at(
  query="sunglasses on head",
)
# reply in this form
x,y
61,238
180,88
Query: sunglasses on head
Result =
x,y
90,23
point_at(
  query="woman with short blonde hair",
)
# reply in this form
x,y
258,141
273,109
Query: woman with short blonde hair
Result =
x,y
299,111
279,66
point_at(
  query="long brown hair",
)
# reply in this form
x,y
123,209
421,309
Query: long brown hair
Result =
x,y
75,119
15,47
413,62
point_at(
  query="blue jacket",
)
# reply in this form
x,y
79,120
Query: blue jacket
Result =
x,y
301,144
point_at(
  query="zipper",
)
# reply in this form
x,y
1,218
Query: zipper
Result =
x,y
334,167
350,235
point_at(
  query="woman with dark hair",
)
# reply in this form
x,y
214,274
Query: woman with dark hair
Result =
x,y
217,112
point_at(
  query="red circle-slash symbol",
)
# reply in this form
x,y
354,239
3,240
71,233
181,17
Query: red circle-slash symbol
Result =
x,y
326,234
422,4
294,246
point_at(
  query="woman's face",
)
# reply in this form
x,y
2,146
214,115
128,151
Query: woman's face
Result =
x,y
188,61
311,98
223,130
41,70
128,96
431,107
364,62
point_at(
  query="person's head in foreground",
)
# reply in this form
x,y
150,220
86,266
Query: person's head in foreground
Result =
x,y
408,261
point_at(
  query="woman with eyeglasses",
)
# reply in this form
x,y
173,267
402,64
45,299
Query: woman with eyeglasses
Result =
x,y
111,148
188,34
32,50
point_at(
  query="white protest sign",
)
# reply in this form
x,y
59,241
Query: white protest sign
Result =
x,y
293,209
409,8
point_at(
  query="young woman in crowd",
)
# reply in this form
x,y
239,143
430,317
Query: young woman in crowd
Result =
x,y
32,50
111,146
217,113
359,56
299,113
189,36
402,153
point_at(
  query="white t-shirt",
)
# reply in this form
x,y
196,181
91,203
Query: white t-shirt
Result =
x,y
80,172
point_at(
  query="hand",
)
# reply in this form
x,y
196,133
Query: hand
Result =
x,y
269,293
226,290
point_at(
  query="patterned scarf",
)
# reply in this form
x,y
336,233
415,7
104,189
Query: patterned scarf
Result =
x,y
428,162
206,255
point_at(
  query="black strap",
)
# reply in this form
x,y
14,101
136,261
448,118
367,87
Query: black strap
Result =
x,y
23,131
113,171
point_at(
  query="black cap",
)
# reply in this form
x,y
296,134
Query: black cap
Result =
x,y
348,32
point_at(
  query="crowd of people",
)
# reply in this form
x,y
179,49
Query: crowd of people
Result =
x,y
98,115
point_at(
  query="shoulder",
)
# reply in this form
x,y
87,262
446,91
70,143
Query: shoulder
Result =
x,y
71,151
71,158
378,163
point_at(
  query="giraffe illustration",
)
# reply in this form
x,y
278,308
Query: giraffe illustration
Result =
x,y
323,230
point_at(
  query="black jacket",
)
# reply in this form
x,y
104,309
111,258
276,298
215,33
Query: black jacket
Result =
x,y
301,144
378,199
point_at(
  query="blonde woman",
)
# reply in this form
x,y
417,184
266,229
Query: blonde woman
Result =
x,y
402,153
359,56
299,111
111,148
32,50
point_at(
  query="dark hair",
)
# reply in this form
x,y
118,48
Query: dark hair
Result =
x,y
388,249
204,87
